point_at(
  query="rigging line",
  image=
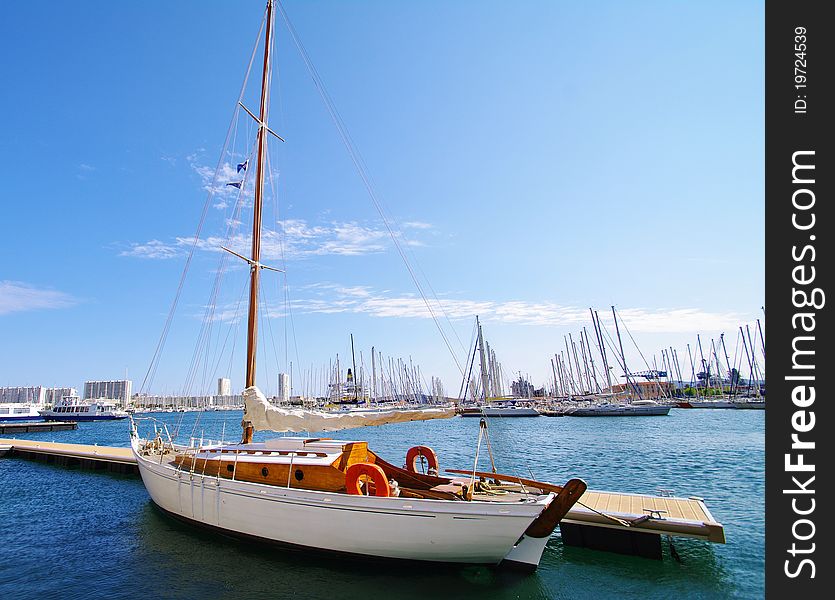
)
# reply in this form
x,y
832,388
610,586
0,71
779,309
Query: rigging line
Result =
x,y
261,289
286,290
465,382
611,344
359,164
276,213
262,335
204,334
270,327
437,300
152,368
204,337
232,330
635,343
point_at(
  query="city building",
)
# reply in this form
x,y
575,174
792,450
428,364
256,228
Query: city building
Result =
x,y
115,390
53,395
148,402
224,386
35,394
23,395
521,388
648,389
283,387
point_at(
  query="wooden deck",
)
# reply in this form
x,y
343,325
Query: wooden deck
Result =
x,y
596,514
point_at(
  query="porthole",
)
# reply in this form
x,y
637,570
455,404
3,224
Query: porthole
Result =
x,y
299,474
265,471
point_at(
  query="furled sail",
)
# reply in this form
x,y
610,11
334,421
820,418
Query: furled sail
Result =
x,y
266,417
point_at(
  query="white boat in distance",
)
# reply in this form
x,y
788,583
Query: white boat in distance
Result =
x,y
637,408
503,409
71,408
705,404
19,412
339,496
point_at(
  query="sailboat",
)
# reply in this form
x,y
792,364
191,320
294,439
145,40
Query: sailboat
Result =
x,y
339,496
493,406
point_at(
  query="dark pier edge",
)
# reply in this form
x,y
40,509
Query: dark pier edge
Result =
x,y
14,428
634,543
786,132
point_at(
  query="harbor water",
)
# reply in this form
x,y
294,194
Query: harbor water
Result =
x,y
69,533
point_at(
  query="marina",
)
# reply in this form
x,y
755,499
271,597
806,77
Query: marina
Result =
x,y
225,274
726,471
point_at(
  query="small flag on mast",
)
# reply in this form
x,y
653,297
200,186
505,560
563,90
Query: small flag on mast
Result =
x,y
242,166
236,184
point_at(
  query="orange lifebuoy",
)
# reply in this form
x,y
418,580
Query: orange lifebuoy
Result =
x,y
377,476
425,452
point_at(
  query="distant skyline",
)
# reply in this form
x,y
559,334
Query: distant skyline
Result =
x,y
534,159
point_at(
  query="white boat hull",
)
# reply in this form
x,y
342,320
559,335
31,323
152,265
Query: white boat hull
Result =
x,y
489,411
393,528
706,404
618,411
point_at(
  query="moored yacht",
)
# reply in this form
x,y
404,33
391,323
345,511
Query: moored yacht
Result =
x,y
637,408
333,495
19,412
500,409
72,408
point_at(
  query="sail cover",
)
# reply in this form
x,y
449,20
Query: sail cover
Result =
x,y
266,417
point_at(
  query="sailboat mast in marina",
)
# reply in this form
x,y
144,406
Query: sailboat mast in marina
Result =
x,y
340,496
255,264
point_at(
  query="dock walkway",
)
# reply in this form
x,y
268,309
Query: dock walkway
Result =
x,y
618,522
117,460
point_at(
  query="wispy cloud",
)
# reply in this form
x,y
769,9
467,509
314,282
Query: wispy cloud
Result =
x,y
331,298
294,239
678,320
84,170
16,296
153,249
216,180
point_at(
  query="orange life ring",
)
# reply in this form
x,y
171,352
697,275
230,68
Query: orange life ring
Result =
x,y
425,452
377,476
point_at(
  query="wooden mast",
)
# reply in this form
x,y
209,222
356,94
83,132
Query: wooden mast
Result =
x,y
255,270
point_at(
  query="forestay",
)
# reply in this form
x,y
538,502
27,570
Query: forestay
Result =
x,y
266,417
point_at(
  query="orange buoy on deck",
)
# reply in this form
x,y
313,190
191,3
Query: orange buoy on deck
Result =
x,y
424,452
379,484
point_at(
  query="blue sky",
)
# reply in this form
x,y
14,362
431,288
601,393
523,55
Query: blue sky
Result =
x,y
536,158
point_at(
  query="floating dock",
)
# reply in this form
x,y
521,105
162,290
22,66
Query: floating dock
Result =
x,y
35,426
99,458
615,522
634,523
